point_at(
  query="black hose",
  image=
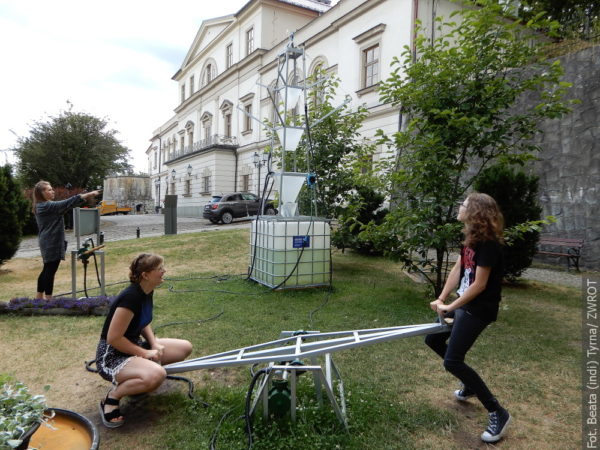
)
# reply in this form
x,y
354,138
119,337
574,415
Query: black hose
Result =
x,y
85,278
215,433
247,416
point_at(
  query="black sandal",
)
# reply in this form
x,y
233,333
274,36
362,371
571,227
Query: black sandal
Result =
x,y
115,413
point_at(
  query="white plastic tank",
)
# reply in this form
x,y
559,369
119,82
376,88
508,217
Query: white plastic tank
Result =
x,y
290,252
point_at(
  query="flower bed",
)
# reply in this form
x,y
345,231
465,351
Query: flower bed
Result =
x,y
97,306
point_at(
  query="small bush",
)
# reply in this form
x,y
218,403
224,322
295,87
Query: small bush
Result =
x,y
516,194
13,211
365,206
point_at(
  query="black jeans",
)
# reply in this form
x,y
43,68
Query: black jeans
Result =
x,y
45,281
465,331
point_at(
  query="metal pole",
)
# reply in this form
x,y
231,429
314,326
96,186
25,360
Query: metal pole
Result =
x,y
102,280
258,185
73,273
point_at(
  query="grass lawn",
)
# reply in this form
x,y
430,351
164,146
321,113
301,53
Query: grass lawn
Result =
x,y
398,394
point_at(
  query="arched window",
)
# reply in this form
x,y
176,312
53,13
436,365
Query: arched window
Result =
x,y
206,120
227,109
317,74
209,72
189,128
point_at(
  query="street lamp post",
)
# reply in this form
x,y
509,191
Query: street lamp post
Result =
x,y
157,185
259,161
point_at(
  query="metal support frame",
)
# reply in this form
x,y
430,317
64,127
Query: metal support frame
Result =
x,y
294,345
74,254
304,346
91,225
321,379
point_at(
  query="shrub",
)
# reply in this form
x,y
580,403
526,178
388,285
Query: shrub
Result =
x,y
19,411
516,195
364,206
13,211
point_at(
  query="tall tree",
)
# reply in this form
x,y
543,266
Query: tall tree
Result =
x,y
75,148
459,103
14,210
332,148
577,18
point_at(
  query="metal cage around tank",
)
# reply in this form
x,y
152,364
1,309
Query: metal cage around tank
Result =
x,y
290,253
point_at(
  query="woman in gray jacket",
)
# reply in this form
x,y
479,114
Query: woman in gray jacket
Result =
x,y
51,231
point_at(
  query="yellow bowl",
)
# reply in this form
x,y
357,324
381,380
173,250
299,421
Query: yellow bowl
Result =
x,y
70,431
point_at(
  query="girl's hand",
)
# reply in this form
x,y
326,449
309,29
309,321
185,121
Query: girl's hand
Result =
x,y
159,348
444,308
435,304
152,355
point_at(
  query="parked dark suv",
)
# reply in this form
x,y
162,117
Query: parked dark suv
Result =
x,y
227,207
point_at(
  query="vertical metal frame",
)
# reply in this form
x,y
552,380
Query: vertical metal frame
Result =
x,y
322,379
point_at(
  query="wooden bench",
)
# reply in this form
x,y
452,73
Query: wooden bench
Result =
x,y
569,248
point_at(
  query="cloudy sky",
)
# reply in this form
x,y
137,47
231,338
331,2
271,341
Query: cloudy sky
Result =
x,y
112,59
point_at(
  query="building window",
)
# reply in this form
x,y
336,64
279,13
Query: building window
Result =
x,y
182,93
206,184
229,56
191,139
208,73
155,159
245,183
182,143
366,166
318,93
247,118
371,66
188,187
191,85
249,41
227,129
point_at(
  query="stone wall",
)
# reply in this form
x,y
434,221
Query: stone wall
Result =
x,y
569,164
129,190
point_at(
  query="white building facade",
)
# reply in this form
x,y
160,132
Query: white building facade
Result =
x,y
207,147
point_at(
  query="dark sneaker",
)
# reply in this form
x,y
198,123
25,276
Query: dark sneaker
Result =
x,y
463,394
499,421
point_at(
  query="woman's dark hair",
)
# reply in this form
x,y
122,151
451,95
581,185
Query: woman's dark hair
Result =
x,y
144,262
483,220
38,193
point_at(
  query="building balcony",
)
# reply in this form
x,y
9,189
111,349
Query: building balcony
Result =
x,y
204,145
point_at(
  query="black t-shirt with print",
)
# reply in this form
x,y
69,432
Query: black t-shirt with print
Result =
x,y
484,254
136,300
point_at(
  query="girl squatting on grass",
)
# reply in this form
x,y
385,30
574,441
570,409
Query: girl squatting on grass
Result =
x,y
133,364
51,231
478,274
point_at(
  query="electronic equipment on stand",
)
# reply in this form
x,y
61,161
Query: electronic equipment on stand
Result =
x,y
86,221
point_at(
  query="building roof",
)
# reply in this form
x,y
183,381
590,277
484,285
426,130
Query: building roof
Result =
x,y
316,5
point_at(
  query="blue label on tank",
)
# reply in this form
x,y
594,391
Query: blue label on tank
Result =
x,y
301,241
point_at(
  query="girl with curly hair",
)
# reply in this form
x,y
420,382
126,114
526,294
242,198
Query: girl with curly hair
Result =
x,y
478,274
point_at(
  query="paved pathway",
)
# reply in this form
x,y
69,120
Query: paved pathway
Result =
x,y
118,228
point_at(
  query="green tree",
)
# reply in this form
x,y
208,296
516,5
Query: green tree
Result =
x,y
14,210
333,150
75,148
577,18
364,206
459,103
516,194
